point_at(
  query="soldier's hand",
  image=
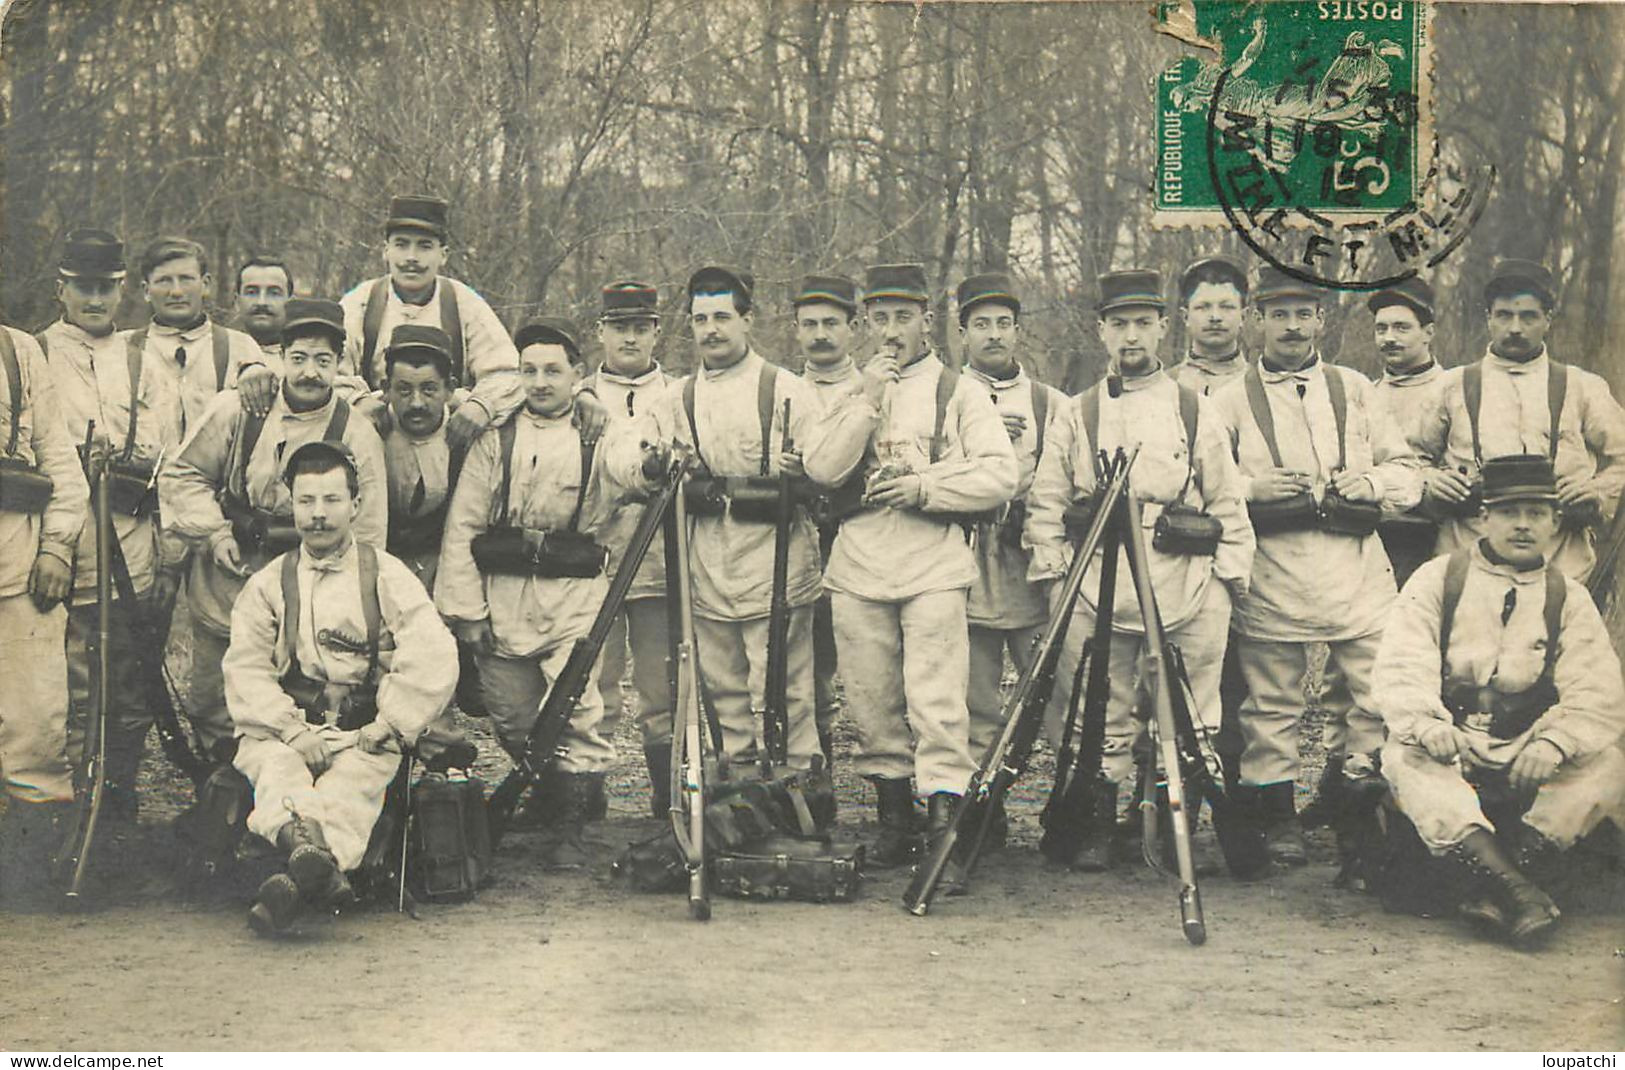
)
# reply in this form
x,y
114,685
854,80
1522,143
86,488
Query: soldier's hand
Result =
x,y
1442,741
377,410
166,587
318,757
790,463
898,492
878,374
465,425
1575,491
230,557
1355,487
590,416
256,387
1448,486
374,737
49,582
476,634
1535,765
1278,483
1014,424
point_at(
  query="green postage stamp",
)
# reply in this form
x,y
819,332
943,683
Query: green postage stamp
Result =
x,y
1299,117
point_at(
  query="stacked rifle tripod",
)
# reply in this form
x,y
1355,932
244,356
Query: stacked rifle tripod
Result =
x,y
1189,769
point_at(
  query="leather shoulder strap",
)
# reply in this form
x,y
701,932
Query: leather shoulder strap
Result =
x,y
371,612
222,354
1189,413
14,386
372,321
290,605
451,321
1338,394
1557,592
252,426
1089,404
587,449
947,383
764,411
507,434
133,355
337,422
1557,388
1455,581
1472,395
1259,403
1040,399
688,410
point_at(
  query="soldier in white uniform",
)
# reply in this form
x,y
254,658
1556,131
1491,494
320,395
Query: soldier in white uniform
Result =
x,y
1496,673
264,285
1322,458
337,663
1213,301
100,379
1184,463
920,451
1519,399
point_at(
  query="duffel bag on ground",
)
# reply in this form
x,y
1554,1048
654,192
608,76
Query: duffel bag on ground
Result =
x,y
789,867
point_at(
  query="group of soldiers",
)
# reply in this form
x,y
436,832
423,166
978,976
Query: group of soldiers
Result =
x,y
334,491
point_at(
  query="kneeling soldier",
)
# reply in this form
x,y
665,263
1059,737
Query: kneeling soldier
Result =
x,y
521,573
1531,700
337,661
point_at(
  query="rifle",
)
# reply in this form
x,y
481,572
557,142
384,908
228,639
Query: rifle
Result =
x,y
1603,574
1072,800
542,744
688,717
1023,711
776,710
1160,681
74,859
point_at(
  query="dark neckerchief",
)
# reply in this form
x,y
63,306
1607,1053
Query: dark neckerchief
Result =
x,y
1271,366
1496,559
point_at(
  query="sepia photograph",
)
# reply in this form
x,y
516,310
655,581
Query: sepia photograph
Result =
x,y
811,525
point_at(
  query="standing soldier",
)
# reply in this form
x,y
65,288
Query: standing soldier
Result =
x,y
1496,673
1004,610
630,383
422,467
42,508
225,492
925,449
102,381
264,285
826,311
1410,389
1321,457
336,664
1184,466
413,291
1213,300
731,413
200,357
1519,400
521,570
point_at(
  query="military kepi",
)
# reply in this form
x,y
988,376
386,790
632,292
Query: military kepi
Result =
x,y
1273,283
1521,276
417,212
1223,266
992,286
92,254
304,313
628,299
899,282
549,330
722,278
833,289
1519,477
1121,289
420,336
1414,293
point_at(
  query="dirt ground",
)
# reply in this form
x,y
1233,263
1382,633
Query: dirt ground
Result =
x,y
1034,958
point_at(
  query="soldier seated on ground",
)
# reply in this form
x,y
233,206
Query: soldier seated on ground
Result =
x,y
337,662
1496,674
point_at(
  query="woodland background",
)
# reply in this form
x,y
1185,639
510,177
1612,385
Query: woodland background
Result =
x,y
581,141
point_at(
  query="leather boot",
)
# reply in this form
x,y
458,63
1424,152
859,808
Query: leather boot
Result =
x,y
565,849
312,865
542,805
657,758
1098,851
1240,832
30,835
826,744
119,801
1205,855
595,802
1323,808
998,828
1283,836
940,810
895,841
1528,912
276,905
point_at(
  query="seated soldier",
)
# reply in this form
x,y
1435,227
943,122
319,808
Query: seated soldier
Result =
x,y
1495,673
337,662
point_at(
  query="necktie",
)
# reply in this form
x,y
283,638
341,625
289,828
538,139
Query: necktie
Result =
x,y
419,492
180,356
1507,606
